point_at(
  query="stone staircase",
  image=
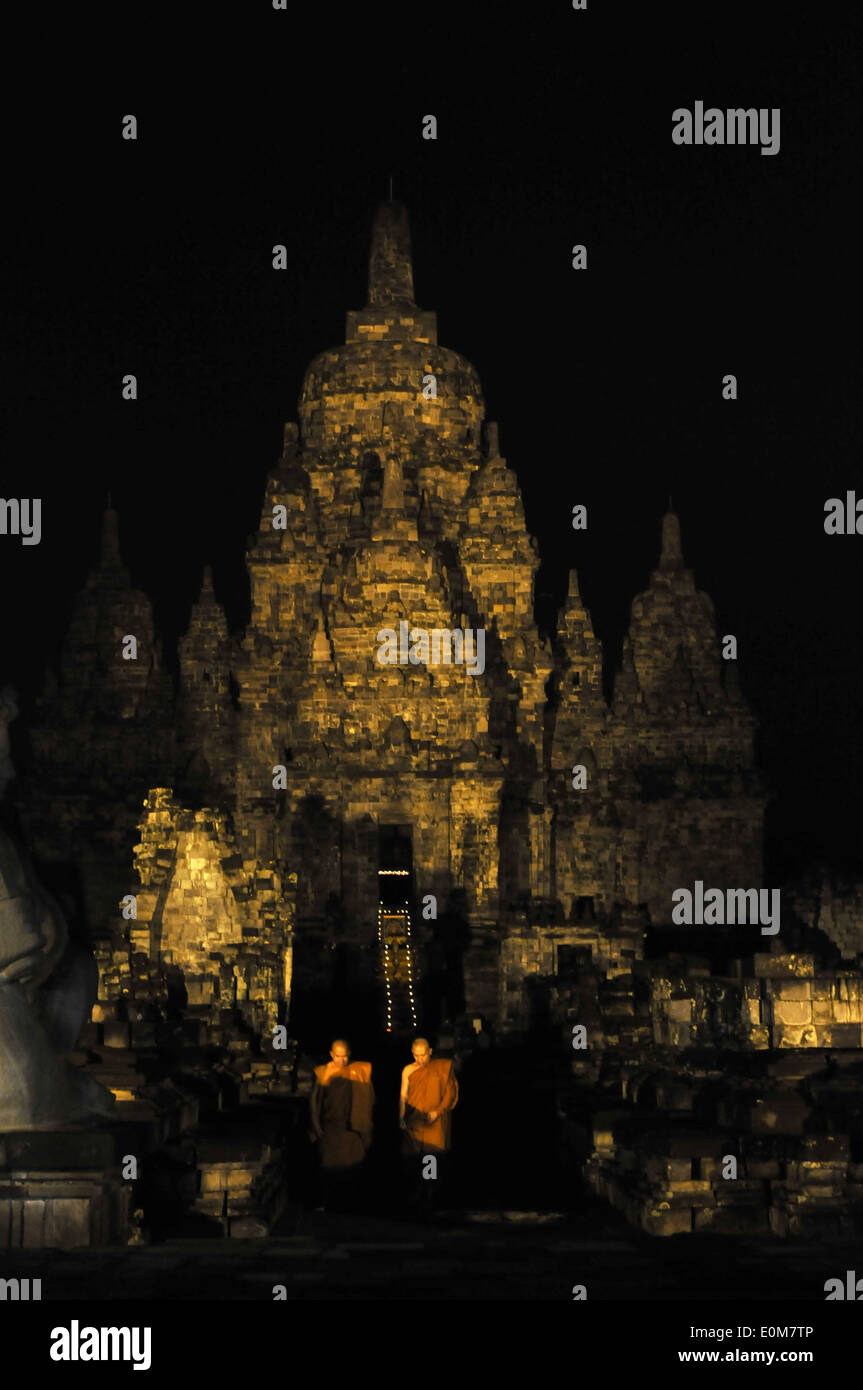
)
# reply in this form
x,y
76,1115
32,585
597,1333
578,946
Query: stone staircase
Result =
x,y
398,966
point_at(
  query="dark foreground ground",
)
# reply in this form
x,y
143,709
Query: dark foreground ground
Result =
x,y
459,1256
514,1221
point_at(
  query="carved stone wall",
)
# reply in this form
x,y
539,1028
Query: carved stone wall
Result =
x,y
293,745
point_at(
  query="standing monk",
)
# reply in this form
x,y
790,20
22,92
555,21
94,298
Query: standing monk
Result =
x,y
341,1107
429,1093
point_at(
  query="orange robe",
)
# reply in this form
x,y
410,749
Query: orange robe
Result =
x,y
342,1108
432,1087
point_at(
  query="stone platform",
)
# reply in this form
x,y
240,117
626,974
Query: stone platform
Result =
x,y
61,1189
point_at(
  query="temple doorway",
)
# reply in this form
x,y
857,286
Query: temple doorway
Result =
x,y
396,852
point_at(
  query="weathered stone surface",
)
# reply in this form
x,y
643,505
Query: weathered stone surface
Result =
x,y
211,929
38,1089
398,505
61,1189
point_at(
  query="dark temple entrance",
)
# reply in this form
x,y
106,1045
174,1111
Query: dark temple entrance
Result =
x,y
396,853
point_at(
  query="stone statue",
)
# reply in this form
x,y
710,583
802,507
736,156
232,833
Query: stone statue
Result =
x,y
38,1089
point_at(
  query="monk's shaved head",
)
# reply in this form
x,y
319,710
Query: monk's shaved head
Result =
x,y
340,1052
421,1049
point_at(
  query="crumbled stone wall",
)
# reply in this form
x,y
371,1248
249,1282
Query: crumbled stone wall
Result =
x,y
216,925
669,1183
783,1004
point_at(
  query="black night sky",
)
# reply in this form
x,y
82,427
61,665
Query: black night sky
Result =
x,y
554,128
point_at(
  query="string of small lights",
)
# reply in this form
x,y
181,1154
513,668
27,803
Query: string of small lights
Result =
x,y
386,967
409,955
396,911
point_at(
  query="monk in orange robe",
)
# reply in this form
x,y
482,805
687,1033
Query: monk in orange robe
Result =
x,y
429,1093
341,1113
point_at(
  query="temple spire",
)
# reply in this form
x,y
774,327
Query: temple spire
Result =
x,y
110,557
391,276
671,557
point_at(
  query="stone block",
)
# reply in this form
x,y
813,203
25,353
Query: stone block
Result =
x,y
762,1169
817,1177
689,1187
785,1035
742,1192
777,967
116,1033
844,1035
791,1011
662,1169
667,1220
211,1204
143,1035
791,989
780,1114
62,1210
218,1177
825,1148
67,1223
690,1145
822,1034
49,1150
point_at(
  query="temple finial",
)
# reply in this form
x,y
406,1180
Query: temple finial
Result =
x,y
391,277
110,538
671,557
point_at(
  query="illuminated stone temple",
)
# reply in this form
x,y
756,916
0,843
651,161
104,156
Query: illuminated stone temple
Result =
x,y
294,768
393,802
